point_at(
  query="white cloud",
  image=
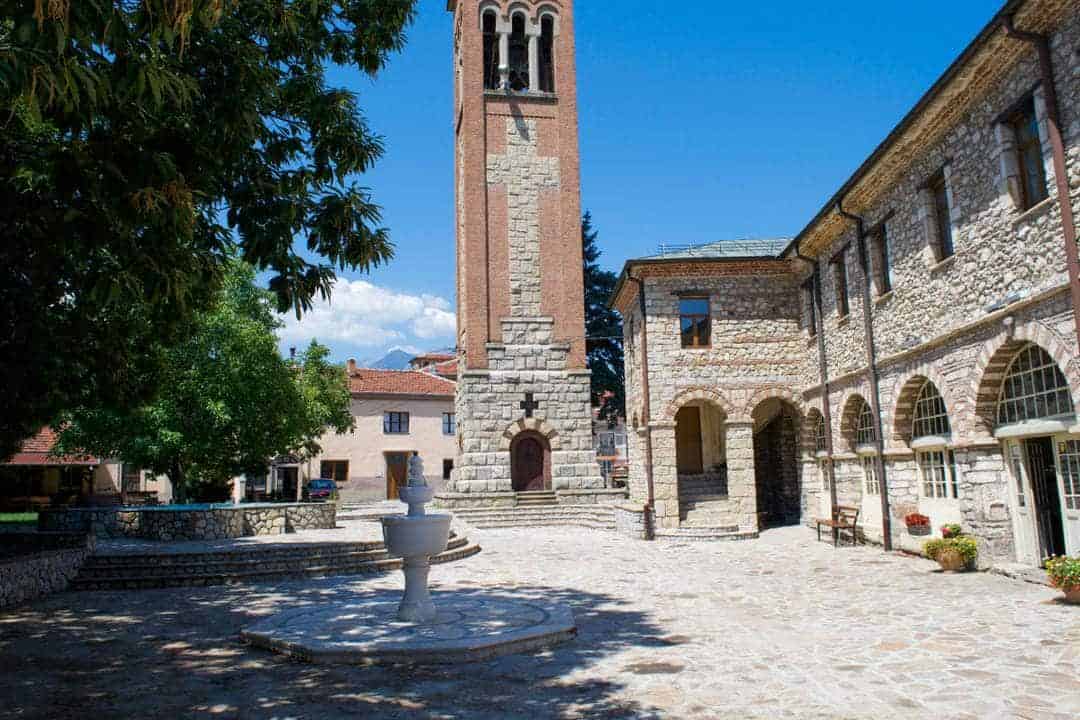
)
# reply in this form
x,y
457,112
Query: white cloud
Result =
x,y
363,315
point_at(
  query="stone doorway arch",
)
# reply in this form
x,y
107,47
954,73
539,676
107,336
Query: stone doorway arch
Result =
x,y
530,462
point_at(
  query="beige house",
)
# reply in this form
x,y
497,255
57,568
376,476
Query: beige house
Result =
x,y
398,414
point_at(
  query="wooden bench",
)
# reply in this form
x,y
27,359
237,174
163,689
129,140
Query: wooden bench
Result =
x,y
845,517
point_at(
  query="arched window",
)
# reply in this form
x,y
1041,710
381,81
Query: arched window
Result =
x,y
491,51
931,417
1034,388
547,54
519,54
820,441
864,426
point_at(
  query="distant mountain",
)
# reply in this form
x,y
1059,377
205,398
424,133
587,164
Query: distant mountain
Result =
x,y
396,359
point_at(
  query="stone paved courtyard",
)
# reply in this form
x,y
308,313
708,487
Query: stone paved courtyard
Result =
x,y
780,627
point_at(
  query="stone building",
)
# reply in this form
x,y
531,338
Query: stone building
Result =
x,y
913,348
523,386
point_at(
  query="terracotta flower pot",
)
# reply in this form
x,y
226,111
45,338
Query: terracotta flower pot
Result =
x,y
951,561
1072,595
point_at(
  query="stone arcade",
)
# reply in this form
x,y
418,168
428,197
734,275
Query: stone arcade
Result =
x,y
913,349
523,405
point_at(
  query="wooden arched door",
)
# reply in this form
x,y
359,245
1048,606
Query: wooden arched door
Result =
x,y
530,463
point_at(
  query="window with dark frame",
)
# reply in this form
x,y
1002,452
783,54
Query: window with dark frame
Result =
x,y
942,216
336,470
811,308
695,322
449,424
820,441
1029,155
447,468
879,242
491,52
396,423
547,54
839,264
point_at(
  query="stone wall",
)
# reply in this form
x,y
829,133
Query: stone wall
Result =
x,y
956,322
34,565
195,523
630,521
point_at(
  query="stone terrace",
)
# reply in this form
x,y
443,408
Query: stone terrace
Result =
x,y
783,627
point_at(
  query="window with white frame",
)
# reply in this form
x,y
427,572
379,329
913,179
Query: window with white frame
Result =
x,y
937,469
864,426
871,478
449,424
931,417
1069,455
1034,388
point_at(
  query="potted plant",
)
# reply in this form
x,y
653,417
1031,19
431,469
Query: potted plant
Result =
x,y
1064,574
954,553
917,524
952,530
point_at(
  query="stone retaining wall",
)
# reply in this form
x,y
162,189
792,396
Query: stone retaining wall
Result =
x,y
630,521
38,564
195,523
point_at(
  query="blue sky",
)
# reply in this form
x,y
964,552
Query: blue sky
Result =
x,y
699,122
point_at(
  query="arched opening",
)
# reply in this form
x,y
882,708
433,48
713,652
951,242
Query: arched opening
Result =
x,y
519,54
930,436
701,459
491,50
776,467
547,54
530,462
1034,413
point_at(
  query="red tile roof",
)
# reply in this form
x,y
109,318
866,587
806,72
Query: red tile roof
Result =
x,y
35,451
446,369
399,382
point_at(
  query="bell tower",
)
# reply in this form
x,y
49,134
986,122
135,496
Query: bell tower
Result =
x,y
523,406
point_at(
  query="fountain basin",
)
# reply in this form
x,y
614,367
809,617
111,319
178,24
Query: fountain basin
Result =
x,y
409,536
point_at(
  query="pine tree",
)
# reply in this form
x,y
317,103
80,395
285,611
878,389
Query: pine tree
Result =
x,y
603,328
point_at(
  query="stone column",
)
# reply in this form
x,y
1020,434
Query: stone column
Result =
x,y
504,59
665,475
742,487
534,61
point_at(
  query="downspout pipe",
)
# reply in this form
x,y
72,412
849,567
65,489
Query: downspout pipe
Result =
x,y
872,369
823,372
646,416
1057,144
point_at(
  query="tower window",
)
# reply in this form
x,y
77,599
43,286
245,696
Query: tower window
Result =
x,y
519,54
695,322
491,52
547,54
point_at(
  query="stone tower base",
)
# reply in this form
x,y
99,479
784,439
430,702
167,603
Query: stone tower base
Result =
x,y
490,416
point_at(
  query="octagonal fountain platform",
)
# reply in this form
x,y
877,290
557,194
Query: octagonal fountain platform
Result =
x,y
452,627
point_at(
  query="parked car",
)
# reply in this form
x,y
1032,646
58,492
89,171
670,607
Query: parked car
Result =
x,y
320,490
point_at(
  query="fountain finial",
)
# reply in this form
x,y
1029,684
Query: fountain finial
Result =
x,y
416,472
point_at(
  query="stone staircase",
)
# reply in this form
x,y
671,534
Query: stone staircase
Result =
x,y
701,499
537,499
251,564
597,517
704,534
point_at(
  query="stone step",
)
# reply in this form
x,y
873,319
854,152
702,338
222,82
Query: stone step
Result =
x,y
143,576
589,516
564,509
703,534
253,553
517,523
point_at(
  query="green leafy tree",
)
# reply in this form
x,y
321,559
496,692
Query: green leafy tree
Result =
x,y
228,402
144,144
603,328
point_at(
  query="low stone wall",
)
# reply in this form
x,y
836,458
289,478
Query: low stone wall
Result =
x,y
192,523
464,501
34,565
630,521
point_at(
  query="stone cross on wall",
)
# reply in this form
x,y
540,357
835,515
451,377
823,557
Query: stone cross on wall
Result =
x,y
525,175
529,405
